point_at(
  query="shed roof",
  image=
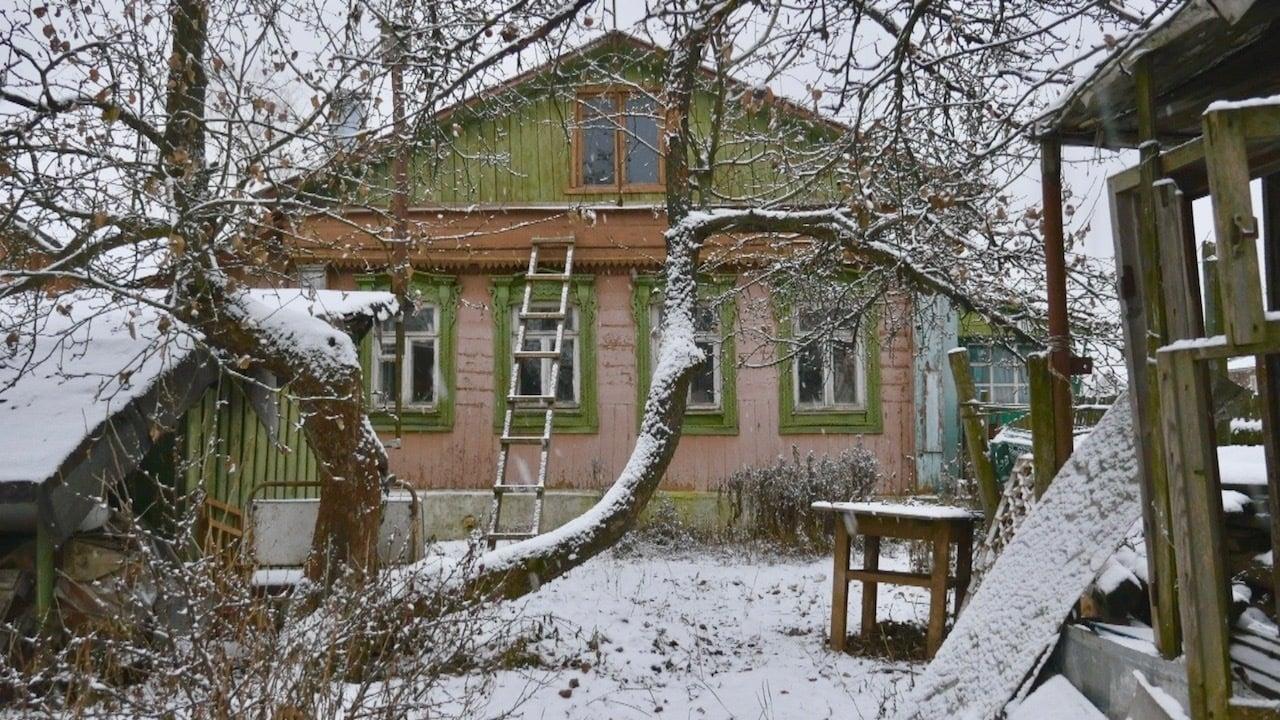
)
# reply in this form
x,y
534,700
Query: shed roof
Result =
x,y
85,378
1204,51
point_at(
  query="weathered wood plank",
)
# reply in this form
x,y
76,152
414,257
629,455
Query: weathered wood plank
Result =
x,y
975,432
1235,226
1161,566
1196,501
840,587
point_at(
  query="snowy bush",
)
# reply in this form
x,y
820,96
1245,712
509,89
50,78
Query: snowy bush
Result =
x,y
210,645
773,503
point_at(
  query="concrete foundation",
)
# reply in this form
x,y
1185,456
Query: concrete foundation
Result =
x,y
453,514
1101,666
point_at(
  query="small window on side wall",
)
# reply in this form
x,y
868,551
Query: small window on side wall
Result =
x,y
616,143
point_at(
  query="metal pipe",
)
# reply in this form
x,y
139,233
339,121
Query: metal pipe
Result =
x,y
1056,284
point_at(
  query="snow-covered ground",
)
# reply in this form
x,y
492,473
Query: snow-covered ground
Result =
x,y
705,634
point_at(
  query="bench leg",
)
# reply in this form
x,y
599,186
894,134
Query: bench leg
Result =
x,y
871,561
938,591
840,587
964,566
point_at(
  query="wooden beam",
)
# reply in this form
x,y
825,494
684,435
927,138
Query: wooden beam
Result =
x,y
46,567
1196,501
1267,367
975,432
1137,254
1042,433
893,577
840,585
1236,228
1161,566
1056,286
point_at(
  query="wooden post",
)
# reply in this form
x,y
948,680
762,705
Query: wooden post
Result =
x,y
870,561
1042,433
975,432
1142,252
1268,367
964,562
938,587
1213,324
1056,286
840,584
46,567
1196,500
1236,229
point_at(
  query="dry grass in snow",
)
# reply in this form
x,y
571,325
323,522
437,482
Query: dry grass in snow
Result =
x,y
699,634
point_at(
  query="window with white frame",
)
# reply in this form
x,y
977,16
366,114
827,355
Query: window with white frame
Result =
x,y
999,375
706,386
420,371
535,373
829,371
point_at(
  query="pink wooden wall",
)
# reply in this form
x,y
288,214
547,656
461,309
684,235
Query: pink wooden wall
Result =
x,y
464,458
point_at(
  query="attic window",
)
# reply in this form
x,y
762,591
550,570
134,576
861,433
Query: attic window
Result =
x,y
615,146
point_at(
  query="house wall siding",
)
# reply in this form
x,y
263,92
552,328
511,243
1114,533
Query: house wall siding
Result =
x,y
464,457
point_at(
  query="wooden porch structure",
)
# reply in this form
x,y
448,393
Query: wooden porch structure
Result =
x,y
1158,94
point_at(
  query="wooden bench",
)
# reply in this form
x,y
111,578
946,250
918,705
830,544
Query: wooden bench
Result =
x,y
941,525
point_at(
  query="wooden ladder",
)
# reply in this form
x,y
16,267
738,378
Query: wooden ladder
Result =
x,y
545,400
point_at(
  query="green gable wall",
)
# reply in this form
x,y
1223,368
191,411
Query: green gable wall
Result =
x,y
515,148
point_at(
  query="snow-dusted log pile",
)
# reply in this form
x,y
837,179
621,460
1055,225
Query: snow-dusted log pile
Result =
x,y
1013,619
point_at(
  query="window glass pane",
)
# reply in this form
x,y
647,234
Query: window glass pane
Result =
x,y
530,382
642,140
844,373
981,374
387,380
564,384
808,320
702,388
809,375
599,131
423,319
979,354
706,319
1005,372
423,369
1004,394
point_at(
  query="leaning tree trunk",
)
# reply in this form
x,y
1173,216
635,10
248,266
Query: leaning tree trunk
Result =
x,y
519,569
324,375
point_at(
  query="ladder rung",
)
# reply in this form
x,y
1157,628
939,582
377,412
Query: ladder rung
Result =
x,y
545,241
521,489
548,276
524,439
495,536
542,315
534,354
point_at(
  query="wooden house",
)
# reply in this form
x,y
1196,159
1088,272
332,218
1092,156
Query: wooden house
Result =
x,y
572,148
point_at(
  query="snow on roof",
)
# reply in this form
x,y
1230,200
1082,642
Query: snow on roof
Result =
x,y
77,359
74,360
331,305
